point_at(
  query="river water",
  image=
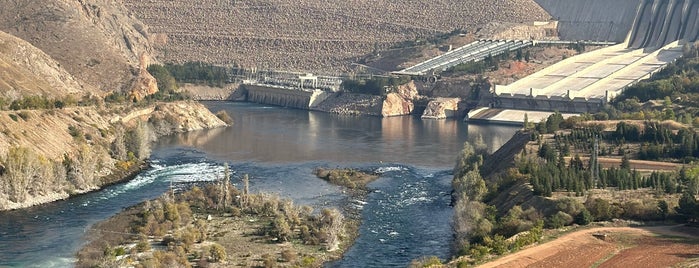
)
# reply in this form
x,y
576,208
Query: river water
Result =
x,y
406,216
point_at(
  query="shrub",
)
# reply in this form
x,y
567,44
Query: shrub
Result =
x,y
223,115
428,261
13,117
143,245
24,115
559,220
288,255
217,253
268,261
584,217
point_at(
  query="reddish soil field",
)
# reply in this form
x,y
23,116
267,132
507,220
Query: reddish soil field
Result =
x,y
620,247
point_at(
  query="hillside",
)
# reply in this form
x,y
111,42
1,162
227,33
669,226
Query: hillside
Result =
x,y
310,35
94,40
28,71
88,147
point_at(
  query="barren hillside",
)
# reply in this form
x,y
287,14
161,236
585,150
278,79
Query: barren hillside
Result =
x,y
27,70
310,35
94,40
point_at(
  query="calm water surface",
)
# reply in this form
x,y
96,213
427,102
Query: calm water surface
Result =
x,y
406,215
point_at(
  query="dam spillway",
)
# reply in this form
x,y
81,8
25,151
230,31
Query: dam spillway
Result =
x,y
660,22
586,82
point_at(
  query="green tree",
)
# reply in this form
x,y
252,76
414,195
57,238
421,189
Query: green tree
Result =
x,y
584,217
688,208
166,82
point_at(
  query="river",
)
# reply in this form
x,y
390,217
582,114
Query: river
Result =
x,y
407,214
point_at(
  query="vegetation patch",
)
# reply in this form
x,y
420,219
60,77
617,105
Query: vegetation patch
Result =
x,y
350,178
216,223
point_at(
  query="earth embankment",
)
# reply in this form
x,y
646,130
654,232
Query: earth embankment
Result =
x,y
282,34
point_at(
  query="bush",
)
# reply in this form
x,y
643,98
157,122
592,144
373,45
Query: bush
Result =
x,y
288,255
217,253
425,262
584,217
223,115
268,261
559,220
24,115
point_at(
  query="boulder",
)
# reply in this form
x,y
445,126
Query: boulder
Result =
x,y
441,108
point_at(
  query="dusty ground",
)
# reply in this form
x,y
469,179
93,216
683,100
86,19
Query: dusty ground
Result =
x,y
622,247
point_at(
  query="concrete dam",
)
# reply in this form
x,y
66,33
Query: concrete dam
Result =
x,y
660,22
585,83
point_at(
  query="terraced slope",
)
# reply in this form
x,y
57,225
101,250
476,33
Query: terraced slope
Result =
x,y
310,35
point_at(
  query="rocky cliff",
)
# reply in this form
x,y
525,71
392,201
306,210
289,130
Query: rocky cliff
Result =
x,y
441,108
97,41
399,102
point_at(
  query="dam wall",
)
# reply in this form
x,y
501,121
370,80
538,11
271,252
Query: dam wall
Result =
x,y
541,103
661,22
595,20
284,96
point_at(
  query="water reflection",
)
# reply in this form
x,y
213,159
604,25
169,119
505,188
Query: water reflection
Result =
x,y
264,134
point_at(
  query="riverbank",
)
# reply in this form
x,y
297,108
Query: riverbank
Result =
x,y
89,147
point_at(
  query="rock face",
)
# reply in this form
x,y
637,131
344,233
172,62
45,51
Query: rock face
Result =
x,y
144,84
182,117
395,104
94,40
231,92
352,104
401,101
441,108
28,71
280,34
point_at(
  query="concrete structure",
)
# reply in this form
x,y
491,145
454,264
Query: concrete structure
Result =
x,y
508,116
476,51
585,82
284,96
655,32
660,22
288,89
598,20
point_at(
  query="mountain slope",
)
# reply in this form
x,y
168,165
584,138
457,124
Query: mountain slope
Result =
x,y
319,36
26,70
95,40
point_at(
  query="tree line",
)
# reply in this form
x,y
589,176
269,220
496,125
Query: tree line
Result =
x,y
25,174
